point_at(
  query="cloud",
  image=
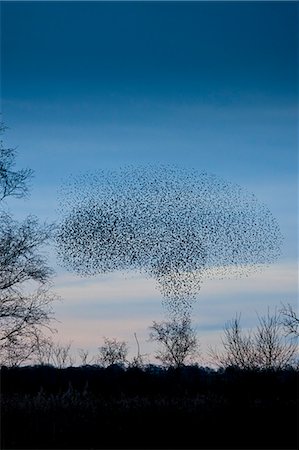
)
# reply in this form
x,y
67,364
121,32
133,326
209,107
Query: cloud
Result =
x,y
134,288
112,288
278,278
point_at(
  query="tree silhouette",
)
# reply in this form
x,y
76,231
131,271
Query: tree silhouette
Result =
x,y
290,320
23,312
266,347
13,183
112,352
177,340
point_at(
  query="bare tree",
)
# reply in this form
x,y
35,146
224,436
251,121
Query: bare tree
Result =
x,y
43,351
274,351
290,320
238,347
22,316
84,357
266,347
20,259
178,341
25,296
49,352
12,182
112,352
61,355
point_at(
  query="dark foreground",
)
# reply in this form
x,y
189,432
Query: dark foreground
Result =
x,y
91,407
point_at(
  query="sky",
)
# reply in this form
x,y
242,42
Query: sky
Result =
x,y
205,85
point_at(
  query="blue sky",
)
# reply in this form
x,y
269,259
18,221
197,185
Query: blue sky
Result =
x,y
209,85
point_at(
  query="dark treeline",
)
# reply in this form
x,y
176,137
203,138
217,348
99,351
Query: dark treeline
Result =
x,y
188,407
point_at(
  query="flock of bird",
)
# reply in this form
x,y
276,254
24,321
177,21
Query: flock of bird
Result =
x,y
175,225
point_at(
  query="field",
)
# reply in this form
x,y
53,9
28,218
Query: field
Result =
x,y
92,407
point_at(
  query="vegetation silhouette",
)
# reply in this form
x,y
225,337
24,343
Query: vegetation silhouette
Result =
x,y
24,314
154,407
178,342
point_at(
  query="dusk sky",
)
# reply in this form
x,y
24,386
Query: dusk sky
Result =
x,y
205,85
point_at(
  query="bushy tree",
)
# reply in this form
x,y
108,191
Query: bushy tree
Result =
x,y
178,341
25,295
